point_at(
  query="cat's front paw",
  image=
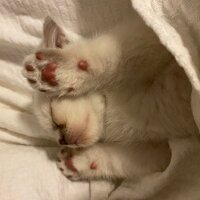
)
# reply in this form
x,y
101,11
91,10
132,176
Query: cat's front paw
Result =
x,y
64,71
77,164
40,69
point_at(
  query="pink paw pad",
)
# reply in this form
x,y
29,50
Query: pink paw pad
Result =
x,y
40,56
29,67
93,166
48,74
83,65
70,164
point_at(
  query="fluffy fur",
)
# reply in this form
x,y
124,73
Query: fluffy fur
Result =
x,y
133,91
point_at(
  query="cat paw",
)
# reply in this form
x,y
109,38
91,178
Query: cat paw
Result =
x,y
40,69
66,72
76,164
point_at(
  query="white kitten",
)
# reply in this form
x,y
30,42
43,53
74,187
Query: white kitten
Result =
x,y
120,87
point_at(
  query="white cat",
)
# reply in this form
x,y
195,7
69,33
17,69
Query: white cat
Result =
x,y
122,88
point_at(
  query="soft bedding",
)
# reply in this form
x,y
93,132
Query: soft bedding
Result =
x,y
27,154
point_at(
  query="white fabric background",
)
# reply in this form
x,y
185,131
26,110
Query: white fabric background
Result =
x,y
28,171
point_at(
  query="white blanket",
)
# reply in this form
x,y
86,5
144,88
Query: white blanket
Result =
x,y
27,169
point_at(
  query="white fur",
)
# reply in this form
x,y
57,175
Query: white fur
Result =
x,y
83,117
147,99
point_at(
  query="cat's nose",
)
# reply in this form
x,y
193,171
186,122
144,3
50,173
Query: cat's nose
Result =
x,y
66,140
48,74
62,140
